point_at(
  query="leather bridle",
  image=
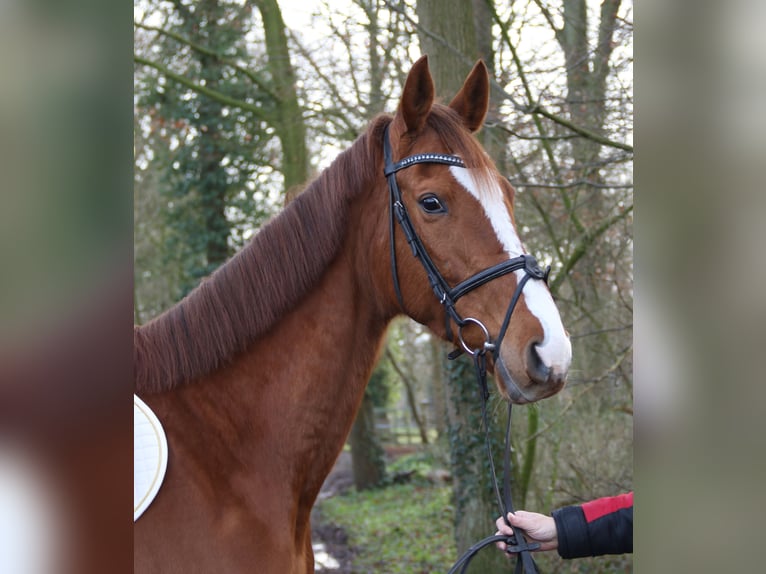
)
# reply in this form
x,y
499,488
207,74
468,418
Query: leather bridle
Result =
x,y
448,297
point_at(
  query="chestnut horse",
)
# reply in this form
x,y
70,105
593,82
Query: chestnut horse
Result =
x,y
258,373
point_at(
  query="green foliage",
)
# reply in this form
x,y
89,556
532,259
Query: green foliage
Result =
x,y
407,528
474,495
368,457
469,462
369,463
205,154
399,529
380,384
416,467
422,462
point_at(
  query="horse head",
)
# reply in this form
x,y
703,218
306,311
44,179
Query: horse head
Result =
x,y
462,226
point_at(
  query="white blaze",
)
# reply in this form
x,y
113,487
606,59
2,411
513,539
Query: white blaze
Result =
x,y
556,349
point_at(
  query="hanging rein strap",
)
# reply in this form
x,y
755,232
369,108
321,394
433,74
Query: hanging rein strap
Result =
x,y
448,296
517,542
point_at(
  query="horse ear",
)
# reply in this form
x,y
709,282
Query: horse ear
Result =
x,y
417,97
472,101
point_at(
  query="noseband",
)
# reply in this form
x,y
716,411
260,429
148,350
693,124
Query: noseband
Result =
x,y
448,297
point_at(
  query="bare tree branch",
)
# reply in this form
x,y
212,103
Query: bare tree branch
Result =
x,y
408,386
257,111
604,48
329,84
533,108
575,183
255,78
538,109
586,241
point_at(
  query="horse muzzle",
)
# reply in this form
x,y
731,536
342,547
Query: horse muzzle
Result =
x,y
534,379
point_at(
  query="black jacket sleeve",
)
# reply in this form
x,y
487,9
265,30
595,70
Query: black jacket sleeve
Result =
x,y
602,526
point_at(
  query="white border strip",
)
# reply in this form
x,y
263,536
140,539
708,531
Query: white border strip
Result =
x,y
143,416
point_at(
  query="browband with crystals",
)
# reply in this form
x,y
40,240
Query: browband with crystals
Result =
x,y
424,158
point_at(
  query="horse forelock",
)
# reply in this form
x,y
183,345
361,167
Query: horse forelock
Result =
x,y
247,295
449,127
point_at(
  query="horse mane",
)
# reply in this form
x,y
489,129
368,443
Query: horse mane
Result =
x,y
248,294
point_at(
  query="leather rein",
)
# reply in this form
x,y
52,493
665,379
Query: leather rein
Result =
x,y
448,296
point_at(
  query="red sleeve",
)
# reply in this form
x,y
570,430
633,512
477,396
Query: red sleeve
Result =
x,y
603,526
601,507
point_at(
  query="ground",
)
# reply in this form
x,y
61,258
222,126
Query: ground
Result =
x,y
331,550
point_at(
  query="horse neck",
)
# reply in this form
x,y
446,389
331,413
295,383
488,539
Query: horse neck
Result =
x,y
294,394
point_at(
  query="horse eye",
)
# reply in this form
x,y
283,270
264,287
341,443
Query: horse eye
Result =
x,y
431,204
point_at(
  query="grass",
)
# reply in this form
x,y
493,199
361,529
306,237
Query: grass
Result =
x,y
397,529
404,528
408,528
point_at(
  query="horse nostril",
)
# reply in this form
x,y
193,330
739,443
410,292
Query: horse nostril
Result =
x,y
538,371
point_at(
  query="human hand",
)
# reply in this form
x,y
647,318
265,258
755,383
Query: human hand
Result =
x,y
538,528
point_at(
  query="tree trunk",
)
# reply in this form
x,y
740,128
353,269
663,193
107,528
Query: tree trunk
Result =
x,y
587,70
438,384
422,430
289,123
494,139
211,186
448,35
474,498
367,456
